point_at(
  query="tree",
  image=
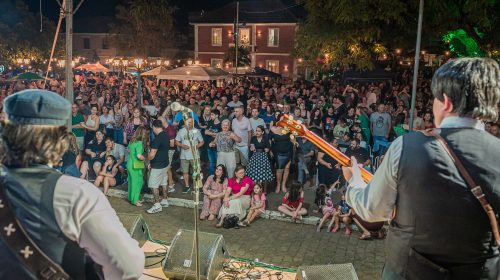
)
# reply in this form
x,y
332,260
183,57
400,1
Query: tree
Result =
x,y
144,27
243,56
355,33
20,35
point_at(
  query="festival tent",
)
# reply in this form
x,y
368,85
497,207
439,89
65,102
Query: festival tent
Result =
x,y
28,76
93,67
194,73
156,71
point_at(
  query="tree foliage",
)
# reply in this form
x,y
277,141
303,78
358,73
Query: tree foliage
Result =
x,y
355,33
20,35
243,56
144,27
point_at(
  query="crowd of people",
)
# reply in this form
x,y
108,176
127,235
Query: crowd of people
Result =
x,y
146,144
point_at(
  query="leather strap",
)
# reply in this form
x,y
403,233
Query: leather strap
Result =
x,y
476,190
21,244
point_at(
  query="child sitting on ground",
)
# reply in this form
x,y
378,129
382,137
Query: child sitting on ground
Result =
x,y
257,205
322,193
293,201
344,213
328,213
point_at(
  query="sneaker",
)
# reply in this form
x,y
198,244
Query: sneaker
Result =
x,y
171,188
164,203
186,189
156,208
181,177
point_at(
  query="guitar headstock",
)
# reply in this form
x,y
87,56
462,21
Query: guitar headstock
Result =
x,y
289,125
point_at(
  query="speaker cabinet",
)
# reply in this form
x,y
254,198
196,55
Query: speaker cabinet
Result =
x,y
327,272
180,260
136,227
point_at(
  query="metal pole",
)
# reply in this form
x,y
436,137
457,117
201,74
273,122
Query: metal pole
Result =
x,y
139,93
236,35
69,53
417,62
198,184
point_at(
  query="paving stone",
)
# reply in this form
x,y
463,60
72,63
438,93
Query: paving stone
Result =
x,y
271,241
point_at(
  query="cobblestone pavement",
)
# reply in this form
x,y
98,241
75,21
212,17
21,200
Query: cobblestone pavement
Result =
x,y
279,243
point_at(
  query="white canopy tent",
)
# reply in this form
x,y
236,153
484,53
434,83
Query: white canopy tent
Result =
x,y
194,73
156,71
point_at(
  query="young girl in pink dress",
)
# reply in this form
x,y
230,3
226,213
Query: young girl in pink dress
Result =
x,y
257,206
328,213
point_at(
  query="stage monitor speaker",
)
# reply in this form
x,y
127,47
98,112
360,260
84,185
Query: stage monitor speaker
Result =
x,y
180,260
327,272
136,227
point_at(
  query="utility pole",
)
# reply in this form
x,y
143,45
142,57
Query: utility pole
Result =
x,y
417,63
69,53
236,35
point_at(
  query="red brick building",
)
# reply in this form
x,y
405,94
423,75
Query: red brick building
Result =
x,y
267,28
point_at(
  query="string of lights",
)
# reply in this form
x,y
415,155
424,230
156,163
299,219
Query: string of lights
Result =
x,y
274,11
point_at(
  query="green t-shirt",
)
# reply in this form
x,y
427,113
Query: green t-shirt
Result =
x,y
78,132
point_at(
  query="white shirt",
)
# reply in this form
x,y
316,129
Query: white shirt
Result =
x,y
84,215
375,201
241,128
182,137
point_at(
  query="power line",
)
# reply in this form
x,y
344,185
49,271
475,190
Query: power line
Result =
x,y
274,11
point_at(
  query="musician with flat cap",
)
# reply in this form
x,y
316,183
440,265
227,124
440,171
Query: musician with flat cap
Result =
x,y
444,184
54,226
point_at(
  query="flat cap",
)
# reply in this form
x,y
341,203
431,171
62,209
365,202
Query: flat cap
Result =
x,y
37,107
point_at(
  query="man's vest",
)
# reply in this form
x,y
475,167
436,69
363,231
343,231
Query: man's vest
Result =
x,y
440,230
30,192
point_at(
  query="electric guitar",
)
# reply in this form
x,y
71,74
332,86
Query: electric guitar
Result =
x,y
296,128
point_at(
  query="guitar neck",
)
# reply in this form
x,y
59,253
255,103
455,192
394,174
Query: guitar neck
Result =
x,y
334,153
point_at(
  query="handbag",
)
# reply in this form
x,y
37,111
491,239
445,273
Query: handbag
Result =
x,y
138,164
230,221
476,190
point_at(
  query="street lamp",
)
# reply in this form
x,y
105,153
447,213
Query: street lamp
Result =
x,y
138,63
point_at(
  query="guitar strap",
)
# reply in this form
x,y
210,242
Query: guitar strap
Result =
x,y
476,190
20,243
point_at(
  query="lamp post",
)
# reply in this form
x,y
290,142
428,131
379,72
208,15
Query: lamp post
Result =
x,y
138,63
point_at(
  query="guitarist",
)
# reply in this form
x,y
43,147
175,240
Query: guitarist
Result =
x,y
440,230
67,218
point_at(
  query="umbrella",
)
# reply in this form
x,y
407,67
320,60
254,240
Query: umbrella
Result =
x,y
260,72
155,72
93,67
194,73
28,76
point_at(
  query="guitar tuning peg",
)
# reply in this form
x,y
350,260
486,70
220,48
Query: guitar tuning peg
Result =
x,y
295,133
292,137
290,118
284,131
299,121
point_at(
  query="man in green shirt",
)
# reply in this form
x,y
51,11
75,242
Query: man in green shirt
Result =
x,y
77,129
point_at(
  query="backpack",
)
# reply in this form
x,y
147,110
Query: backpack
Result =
x,y
230,221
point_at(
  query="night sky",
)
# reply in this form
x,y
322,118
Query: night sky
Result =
x,y
90,8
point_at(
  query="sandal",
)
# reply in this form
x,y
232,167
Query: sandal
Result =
x,y
365,237
138,204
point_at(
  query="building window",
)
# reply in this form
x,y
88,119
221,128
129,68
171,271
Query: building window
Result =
x,y
216,36
86,43
273,37
244,36
105,45
273,66
216,62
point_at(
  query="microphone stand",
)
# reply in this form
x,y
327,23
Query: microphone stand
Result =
x,y
197,183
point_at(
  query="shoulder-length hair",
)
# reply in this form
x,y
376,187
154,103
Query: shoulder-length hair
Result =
x,y
141,134
473,86
25,145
